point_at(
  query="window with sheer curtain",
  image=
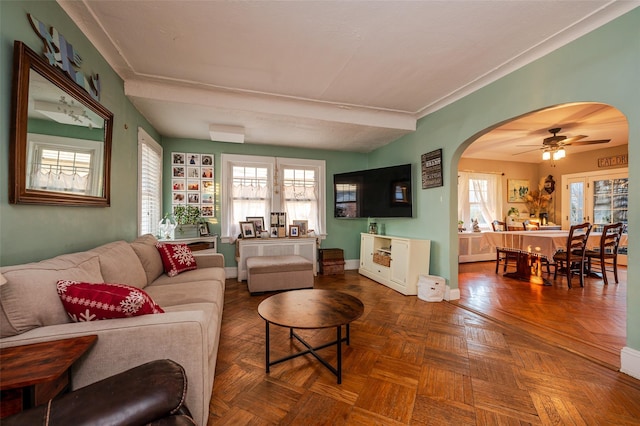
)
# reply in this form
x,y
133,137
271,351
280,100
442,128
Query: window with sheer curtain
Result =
x,y
149,184
256,186
64,164
479,198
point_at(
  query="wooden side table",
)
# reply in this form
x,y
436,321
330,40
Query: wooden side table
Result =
x,y
31,375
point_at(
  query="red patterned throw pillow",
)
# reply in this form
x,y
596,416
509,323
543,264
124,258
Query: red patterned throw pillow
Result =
x,y
92,302
176,258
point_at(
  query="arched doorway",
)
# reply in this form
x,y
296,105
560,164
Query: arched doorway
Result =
x,y
513,150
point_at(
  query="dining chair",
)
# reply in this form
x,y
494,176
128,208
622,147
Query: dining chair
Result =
x,y
573,257
530,226
503,254
607,251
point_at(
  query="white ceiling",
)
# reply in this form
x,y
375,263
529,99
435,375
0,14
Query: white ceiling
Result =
x,y
340,75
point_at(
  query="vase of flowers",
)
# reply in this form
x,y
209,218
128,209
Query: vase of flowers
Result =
x,y
537,201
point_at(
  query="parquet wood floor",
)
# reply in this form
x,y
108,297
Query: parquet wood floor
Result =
x,y
414,362
590,321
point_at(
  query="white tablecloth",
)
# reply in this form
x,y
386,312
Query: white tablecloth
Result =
x,y
545,243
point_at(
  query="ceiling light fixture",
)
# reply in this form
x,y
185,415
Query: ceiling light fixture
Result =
x,y
556,153
224,133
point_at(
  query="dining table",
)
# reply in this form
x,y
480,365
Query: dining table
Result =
x,y
532,247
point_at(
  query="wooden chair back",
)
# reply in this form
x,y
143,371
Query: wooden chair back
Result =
x,y
577,239
610,240
498,226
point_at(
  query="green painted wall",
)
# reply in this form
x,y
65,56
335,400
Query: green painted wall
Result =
x,y
602,66
343,233
29,233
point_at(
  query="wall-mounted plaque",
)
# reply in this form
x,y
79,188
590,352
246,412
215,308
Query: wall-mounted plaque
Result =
x,y
432,169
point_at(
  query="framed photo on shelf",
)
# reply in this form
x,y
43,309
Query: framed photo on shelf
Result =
x,y
294,231
203,228
303,225
258,222
517,190
248,229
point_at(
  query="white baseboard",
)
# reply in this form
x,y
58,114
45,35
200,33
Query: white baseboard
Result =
x,y
451,294
351,264
231,272
630,362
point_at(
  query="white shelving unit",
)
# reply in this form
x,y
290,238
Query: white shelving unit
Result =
x,y
394,261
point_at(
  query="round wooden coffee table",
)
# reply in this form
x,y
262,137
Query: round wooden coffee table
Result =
x,y
311,309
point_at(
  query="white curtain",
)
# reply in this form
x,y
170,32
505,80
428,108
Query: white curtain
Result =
x,y
484,191
301,203
247,201
60,180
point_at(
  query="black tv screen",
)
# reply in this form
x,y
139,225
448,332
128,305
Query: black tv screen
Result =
x,y
377,193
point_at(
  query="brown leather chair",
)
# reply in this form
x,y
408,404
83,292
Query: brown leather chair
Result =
x,y
503,254
608,250
572,259
150,394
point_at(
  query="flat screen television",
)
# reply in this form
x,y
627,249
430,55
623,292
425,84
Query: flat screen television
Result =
x,y
377,193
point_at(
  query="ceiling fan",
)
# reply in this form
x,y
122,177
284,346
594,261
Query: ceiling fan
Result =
x,y
557,142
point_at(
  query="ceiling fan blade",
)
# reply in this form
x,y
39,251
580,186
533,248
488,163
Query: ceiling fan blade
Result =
x,y
524,152
588,142
572,139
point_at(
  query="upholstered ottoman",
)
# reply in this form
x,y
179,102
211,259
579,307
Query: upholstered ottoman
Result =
x,y
273,273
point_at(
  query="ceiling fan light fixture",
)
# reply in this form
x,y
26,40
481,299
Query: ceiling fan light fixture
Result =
x,y
557,155
546,155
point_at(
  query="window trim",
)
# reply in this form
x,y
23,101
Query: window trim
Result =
x,y
145,139
275,165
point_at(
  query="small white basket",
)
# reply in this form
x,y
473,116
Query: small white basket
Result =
x,y
431,288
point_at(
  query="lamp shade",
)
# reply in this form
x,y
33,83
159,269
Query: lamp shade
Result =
x,y
546,155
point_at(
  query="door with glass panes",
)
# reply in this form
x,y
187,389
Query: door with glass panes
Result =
x,y
600,198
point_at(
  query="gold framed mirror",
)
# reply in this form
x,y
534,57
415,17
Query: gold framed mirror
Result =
x,y
60,142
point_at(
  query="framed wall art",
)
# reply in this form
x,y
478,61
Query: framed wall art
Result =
x,y
517,189
192,181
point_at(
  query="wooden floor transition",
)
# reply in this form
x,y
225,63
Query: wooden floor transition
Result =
x,y
420,363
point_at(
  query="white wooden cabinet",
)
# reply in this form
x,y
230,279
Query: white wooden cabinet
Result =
x,y
406,258
249,247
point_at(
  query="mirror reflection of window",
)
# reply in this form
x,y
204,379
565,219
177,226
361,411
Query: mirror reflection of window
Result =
x,y
64,164
346,199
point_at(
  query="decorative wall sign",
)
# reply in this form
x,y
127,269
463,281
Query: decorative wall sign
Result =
x,y
192,181
60,53
432,169
616,160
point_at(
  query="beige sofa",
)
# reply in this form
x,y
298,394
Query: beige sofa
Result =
x,y
187,333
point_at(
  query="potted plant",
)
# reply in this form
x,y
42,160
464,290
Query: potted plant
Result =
x,y
187,219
